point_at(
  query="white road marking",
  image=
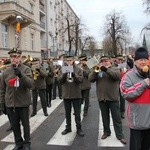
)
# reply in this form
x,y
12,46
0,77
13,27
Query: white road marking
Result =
x,y
36,121
3,119
65,140
9,147
111,141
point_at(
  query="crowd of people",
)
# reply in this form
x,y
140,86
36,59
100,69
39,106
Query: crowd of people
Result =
x,y
24,79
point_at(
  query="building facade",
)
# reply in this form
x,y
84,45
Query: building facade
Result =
x,y
43,27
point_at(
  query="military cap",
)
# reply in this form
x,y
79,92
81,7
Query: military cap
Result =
x,y
104,57
35,59
120,57
15,50
83,57
69,57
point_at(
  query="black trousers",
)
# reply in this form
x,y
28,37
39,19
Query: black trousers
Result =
x,y
42,94
68,103
55,85
17,115
111,106
139,139
49,89
85,99
122,103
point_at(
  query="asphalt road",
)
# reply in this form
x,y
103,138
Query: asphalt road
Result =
x,y
46,131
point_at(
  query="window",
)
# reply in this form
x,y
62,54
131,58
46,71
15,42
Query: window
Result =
x,y
4,35
32,41
51,21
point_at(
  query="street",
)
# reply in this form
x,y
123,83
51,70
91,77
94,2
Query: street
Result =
x,y
46,131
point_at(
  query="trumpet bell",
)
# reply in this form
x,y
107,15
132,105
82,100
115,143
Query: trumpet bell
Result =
x,y
97,69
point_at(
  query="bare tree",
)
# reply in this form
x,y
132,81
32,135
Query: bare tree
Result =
x,y
116,29
147,4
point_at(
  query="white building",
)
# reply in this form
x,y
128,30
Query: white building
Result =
x,y
43,27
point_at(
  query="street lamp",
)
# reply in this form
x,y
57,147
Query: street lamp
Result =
x,y
17,33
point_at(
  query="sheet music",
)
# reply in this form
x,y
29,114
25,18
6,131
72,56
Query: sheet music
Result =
x,y
92,62
66,69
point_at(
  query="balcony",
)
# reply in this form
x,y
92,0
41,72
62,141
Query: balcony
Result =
x,y
10,9
42,25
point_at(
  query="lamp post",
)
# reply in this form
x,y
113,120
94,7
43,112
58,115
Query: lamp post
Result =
x,y
17,32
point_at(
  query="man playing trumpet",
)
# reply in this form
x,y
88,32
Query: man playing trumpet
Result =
x,y
86,84
71,93
107,89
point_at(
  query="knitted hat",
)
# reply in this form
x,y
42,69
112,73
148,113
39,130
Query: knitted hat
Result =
x,y
141,53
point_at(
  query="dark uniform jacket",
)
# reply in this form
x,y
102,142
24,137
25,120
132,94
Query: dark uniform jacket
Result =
x,y
107,84
50,75
40,83
72,90
16,96
86,84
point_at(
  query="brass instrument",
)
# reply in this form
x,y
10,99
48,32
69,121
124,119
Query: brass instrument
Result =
x,y
97,68
28,59
35,75
70,79
34,71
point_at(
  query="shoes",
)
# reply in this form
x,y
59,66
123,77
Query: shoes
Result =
x,y
49,105
85,114
123,141
80,133
9,129
45,114
26,147
33,114
104,136
18,147
60,97
66,131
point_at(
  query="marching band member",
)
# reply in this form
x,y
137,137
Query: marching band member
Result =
x,y
135,88
39,76
122,67
15,94
107,88
56,69
86,84
71,93
49,82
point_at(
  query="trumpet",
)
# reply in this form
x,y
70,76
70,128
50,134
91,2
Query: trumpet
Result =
x,y
35,75
97,68
69,77
28,59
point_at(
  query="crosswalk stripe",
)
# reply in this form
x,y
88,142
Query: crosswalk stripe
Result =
x,y
11,146
3,119
110,141
65,140
36,121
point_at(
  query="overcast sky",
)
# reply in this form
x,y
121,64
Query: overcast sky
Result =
x,y
93,12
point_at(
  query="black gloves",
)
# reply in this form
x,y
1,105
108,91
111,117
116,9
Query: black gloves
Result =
x,y
17,72
65,75
37,69
103,68
73,74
